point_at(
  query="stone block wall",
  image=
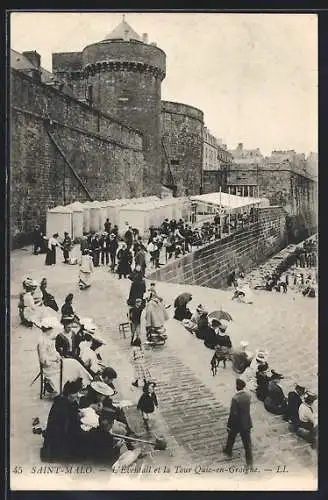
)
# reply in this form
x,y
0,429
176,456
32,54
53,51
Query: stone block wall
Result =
x,y
211,265
182,139
106,155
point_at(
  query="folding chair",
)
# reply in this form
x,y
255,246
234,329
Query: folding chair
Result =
x,y
124,328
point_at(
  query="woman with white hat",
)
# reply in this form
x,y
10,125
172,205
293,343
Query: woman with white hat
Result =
x,y
51,360
26,303
249,375
30,312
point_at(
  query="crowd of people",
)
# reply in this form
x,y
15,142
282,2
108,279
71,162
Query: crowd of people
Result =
x,y
298,272
84,413
74,373
175,238
253,373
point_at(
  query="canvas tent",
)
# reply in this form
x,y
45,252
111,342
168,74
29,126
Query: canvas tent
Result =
x,y
209,203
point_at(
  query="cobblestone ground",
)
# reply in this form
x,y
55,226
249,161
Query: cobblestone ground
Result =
x,y
193,405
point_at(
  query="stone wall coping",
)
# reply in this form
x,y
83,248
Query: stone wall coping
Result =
x,y
92,110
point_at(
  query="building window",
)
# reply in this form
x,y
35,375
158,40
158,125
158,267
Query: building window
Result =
x,y
175,162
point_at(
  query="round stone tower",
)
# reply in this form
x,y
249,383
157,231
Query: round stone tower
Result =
x,y
123,74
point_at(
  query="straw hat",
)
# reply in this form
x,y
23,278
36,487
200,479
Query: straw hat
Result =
x,y
102,388
261,356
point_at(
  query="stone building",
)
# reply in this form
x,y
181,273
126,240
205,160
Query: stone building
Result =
x,y
283,178
96,128
121,75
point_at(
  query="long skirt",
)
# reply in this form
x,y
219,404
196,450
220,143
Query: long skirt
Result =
x,y
37,314
84,279
51,256
72,370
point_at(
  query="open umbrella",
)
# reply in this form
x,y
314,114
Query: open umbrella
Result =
x,y
220,315
182,299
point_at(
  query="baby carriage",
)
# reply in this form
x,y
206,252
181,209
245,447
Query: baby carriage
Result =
x,y
156,336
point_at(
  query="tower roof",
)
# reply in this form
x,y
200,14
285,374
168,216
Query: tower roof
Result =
x,y
123,31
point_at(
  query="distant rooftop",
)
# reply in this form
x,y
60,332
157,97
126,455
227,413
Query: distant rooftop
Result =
x,y
123,32
22,63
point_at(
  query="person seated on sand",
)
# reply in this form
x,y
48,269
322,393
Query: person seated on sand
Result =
x,y
182,312
249,375
275,401
223,345
192,323
202,325
294,401
241,358
308,420
262,379
211,334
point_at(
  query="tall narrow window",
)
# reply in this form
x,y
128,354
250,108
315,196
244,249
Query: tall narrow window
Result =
x,y
90,94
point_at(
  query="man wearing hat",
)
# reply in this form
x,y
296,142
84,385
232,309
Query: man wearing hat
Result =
x,y
67,247
294,401
307,418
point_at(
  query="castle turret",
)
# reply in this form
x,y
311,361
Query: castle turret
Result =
x,y
122,75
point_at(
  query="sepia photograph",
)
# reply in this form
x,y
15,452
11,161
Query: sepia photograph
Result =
x,y
163,232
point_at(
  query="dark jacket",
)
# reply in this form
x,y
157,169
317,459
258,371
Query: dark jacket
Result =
x,y
128,237
124,261
262,385
63,432
210,337
240,361
140,260
181,313
147,403
137,291
275,401
63,347
240,418
135,315
294,401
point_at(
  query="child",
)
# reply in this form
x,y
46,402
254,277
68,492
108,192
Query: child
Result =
x,y
147,402
138,361
135,318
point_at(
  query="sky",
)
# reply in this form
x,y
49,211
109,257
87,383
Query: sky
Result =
x,y
254,76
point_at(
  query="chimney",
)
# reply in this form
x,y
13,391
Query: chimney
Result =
x,y
145,37
33,57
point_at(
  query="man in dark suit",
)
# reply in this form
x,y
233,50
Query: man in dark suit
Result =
x,y
240,422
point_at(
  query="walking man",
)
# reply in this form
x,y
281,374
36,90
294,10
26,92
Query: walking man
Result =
x,y
240,422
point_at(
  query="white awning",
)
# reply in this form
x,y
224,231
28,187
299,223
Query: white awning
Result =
x,y
226,200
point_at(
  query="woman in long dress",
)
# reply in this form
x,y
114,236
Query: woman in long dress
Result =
x,y
86,269
51,250
51,360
